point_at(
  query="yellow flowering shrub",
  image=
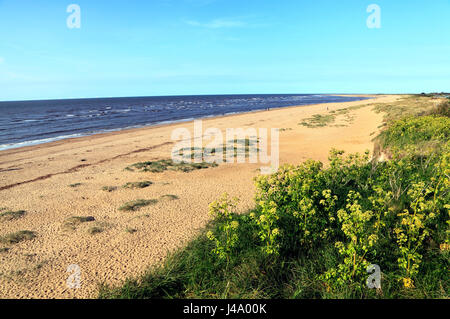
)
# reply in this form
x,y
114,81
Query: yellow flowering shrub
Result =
x,y
226,237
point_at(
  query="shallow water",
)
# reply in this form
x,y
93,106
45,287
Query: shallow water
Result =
x,y
25,123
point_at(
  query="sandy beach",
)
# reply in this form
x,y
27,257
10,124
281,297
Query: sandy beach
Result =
x,y
37,179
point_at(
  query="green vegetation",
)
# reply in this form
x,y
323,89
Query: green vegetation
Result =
x,y
95,230
169,197
75,185
74,221
419,135
318,120
109,188
407,107
236,147
142,184
226,236
14,238
10,215
315,230
137,204
163,165
206,155
442,109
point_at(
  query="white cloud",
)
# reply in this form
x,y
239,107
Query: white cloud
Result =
x,y
218,23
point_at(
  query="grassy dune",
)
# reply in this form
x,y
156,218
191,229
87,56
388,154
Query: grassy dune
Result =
x,y
314,231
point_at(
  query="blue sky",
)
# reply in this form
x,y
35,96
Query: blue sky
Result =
x,y
177,47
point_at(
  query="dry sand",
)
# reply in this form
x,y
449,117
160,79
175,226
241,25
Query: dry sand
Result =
x,y
37,178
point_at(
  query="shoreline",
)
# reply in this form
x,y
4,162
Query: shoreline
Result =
x,y
366,97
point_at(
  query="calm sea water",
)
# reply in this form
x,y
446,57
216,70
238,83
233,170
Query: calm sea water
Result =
x,y
33,122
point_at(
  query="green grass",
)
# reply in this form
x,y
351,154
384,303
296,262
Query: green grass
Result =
x,y
134,185
442,109
236,146
169,197
194,272
420,135
210,154
137,204
94,230
11,215
16,237
75,185
413,125
167,164
405,107
74,221
109,188
285,129
189,272
318,120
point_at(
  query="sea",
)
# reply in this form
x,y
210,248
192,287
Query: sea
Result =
x,y
24,123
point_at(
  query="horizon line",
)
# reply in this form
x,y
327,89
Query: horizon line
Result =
x,y
221,94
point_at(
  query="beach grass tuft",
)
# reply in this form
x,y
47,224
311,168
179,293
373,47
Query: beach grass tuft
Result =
x,y
441,109
167,164
285,129
169,197
318,120
74,221
137,204
94,230
134,185
16,237
11,215
109,188
236,147
405,107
